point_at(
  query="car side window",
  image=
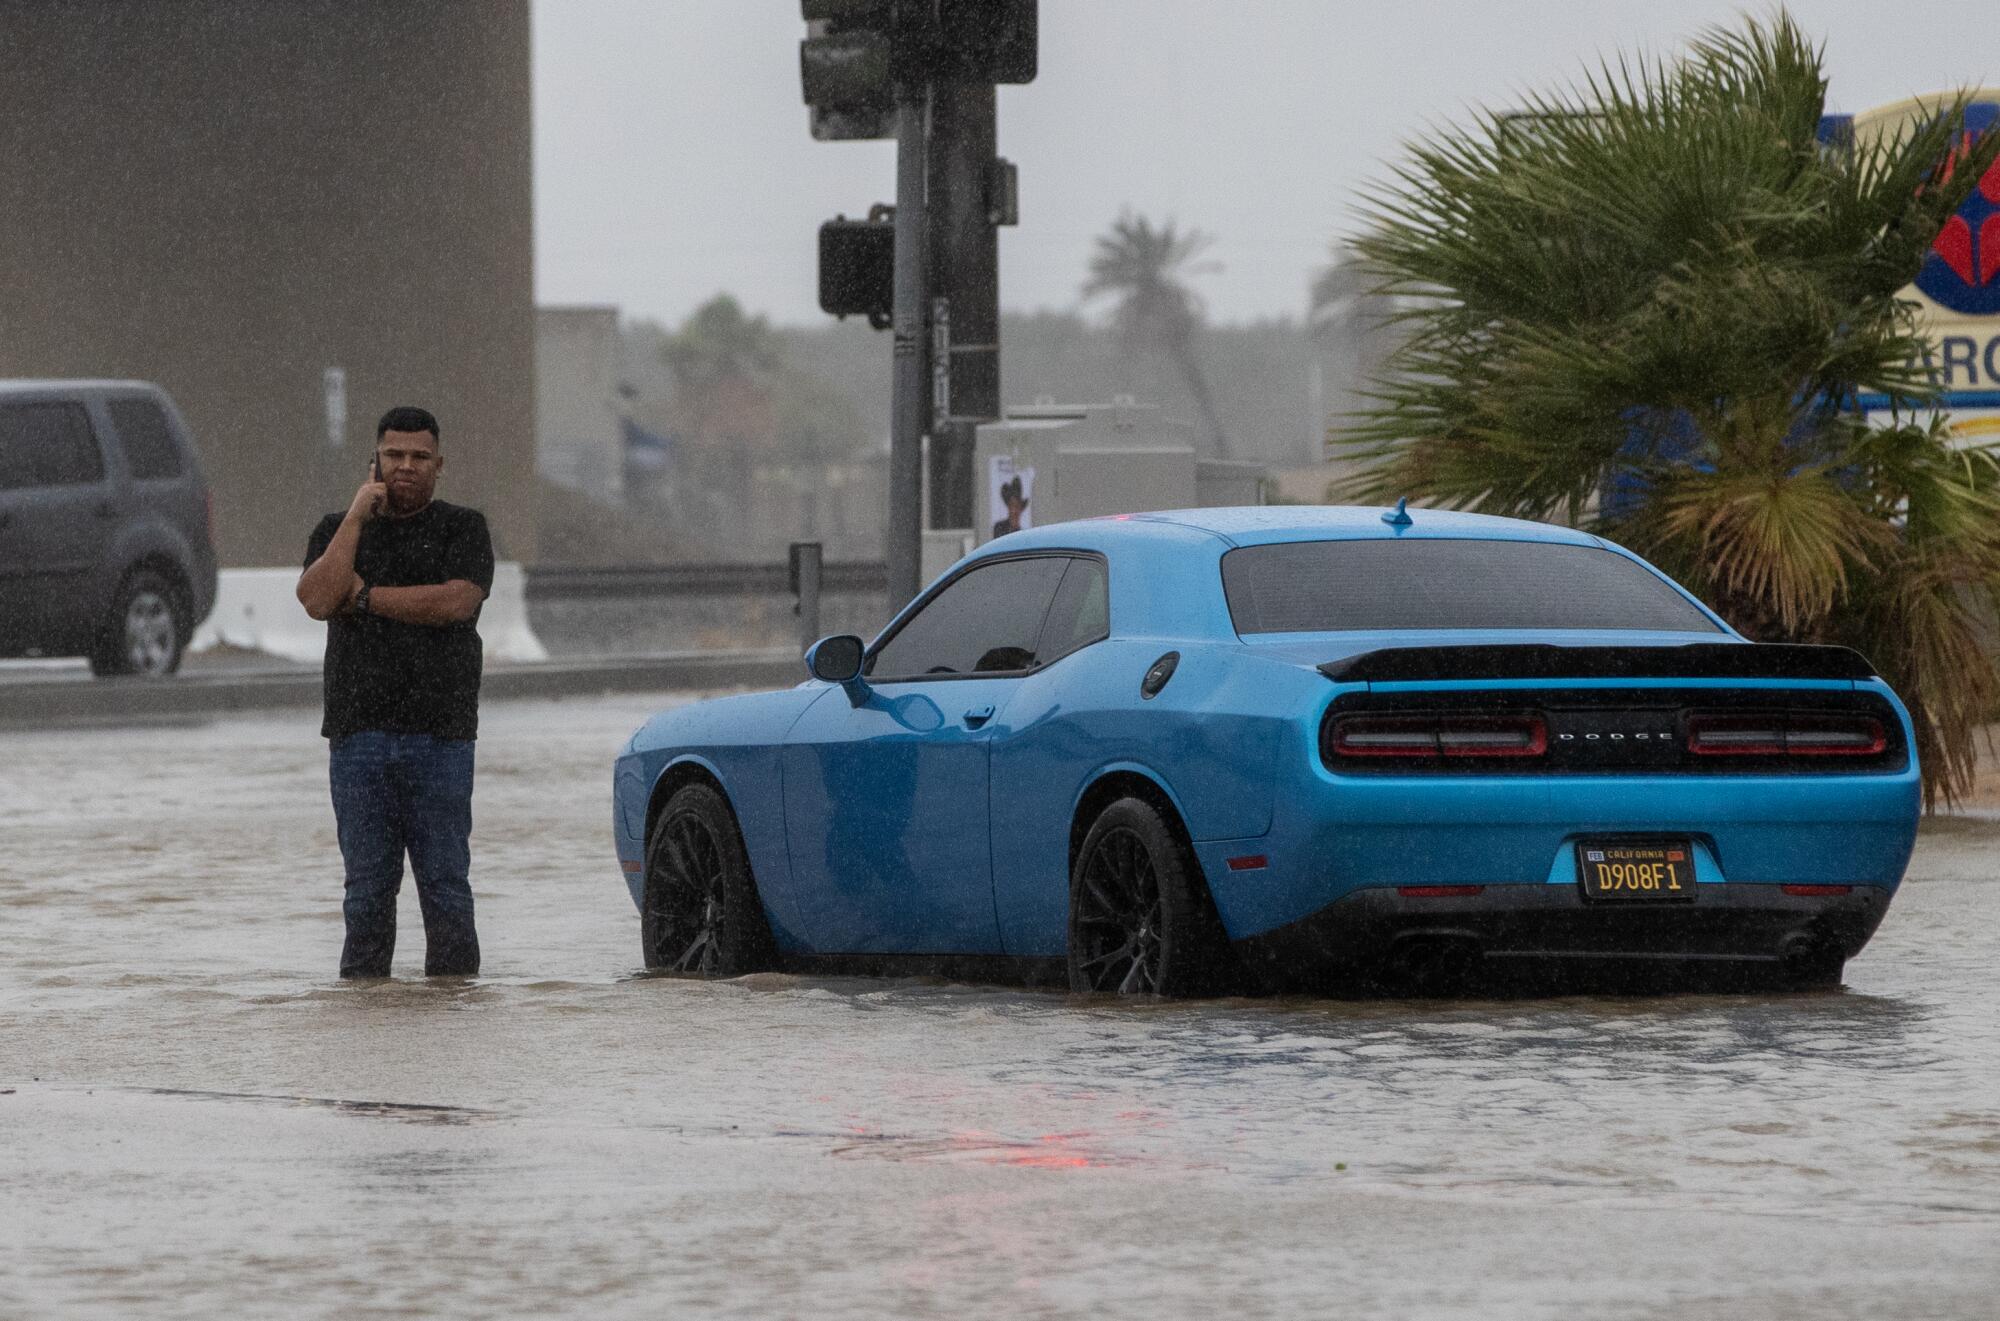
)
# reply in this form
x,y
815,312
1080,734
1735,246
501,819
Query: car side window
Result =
x,y
1081,613
985,622
47,445
149,441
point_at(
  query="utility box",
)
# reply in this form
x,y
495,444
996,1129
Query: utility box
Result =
x,y
942,548
1048,463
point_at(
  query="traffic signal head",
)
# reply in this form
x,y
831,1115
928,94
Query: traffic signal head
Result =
x,y
857,269
987,41
856,51
845,68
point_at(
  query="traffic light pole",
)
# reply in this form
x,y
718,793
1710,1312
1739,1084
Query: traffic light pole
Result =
x,y
927,68
909,414
965,275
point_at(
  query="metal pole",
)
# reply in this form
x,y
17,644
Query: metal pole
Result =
x,y
909,413
806,560
965,273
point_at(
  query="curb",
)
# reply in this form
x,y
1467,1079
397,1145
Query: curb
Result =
x,y
47,701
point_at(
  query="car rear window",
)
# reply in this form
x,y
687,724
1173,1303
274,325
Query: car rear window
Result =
x,y
149,442
1080,614
1339,586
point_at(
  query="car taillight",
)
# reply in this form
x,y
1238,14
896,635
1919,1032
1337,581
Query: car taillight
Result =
x,y
1785,734
1835,736
1522,734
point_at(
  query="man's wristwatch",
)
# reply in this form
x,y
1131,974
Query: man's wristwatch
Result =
x,y
361,600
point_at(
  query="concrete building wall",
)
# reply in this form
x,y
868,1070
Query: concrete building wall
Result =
x,y
230,197
579,435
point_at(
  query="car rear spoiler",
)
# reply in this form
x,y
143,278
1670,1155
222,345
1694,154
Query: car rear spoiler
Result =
x,y
1541,660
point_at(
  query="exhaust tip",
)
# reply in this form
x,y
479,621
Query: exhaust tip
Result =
x,y
1432,961
1811,958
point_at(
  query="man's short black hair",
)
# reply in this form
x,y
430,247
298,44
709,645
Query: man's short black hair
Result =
x,y
406,418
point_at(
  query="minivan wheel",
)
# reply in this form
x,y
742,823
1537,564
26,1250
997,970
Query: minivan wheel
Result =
x,y
145,631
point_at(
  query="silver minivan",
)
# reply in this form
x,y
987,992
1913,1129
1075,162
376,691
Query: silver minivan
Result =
x,y
107,535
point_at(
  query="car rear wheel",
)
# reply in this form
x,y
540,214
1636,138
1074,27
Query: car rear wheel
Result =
x,y
1140,918
145,630
701,914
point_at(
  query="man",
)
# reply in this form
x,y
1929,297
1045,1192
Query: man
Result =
x,y
399,578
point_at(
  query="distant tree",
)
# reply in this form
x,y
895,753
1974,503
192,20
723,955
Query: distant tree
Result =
x,y
1337,296
1646,304
725,364
737,383
1146,270
817,421
1353,330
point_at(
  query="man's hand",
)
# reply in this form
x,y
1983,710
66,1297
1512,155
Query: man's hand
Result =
x,y
368,500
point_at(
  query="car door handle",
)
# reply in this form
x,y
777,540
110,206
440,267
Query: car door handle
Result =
x,y
978,716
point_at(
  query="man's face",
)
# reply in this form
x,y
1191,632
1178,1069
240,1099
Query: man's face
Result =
x,y
410,465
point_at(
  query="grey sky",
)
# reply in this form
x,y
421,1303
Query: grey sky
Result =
x,y
673,159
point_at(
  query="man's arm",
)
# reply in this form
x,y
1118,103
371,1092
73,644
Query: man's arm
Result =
x,y
329,582
438,604
467,564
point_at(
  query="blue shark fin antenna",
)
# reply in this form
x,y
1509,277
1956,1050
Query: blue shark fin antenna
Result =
x,y
1400,515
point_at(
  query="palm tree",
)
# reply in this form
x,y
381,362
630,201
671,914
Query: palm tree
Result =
x,y
1643,305
1146,270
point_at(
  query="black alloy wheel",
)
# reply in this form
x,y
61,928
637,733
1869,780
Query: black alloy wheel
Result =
x,y
145,631
701,915
1140,918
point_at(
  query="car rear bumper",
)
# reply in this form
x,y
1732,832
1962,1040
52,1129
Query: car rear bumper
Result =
x,y
1331,838
1547,933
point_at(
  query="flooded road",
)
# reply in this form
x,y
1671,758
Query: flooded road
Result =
x,y
198,1120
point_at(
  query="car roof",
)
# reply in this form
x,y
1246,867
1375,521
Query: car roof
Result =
x,y
1253,525
1179,593
76,385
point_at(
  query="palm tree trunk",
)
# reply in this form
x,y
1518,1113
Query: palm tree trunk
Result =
x,y
1182,351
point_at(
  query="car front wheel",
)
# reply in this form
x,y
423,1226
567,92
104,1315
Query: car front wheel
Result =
x,y
145,630
701,913
1140,918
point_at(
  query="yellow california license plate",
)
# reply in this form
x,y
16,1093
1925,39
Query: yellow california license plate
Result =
x,y
1660,870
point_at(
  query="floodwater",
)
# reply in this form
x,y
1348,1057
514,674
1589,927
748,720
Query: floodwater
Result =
x,y
197,1119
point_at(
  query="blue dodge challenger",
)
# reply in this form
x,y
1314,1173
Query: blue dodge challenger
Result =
x,y
1181,753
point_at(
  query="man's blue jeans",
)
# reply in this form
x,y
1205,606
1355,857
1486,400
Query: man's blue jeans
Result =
x,y
398,793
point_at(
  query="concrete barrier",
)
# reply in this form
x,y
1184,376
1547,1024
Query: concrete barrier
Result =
x,y
256,609
52,697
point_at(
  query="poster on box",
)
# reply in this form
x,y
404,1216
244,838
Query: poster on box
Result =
x,y
1009,489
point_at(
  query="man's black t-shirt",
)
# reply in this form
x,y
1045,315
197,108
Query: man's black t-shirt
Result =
x,y
407,678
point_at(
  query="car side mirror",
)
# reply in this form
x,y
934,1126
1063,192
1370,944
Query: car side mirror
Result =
x,y
836,659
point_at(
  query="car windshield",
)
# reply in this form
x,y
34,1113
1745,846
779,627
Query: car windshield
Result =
x,y
1343,586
